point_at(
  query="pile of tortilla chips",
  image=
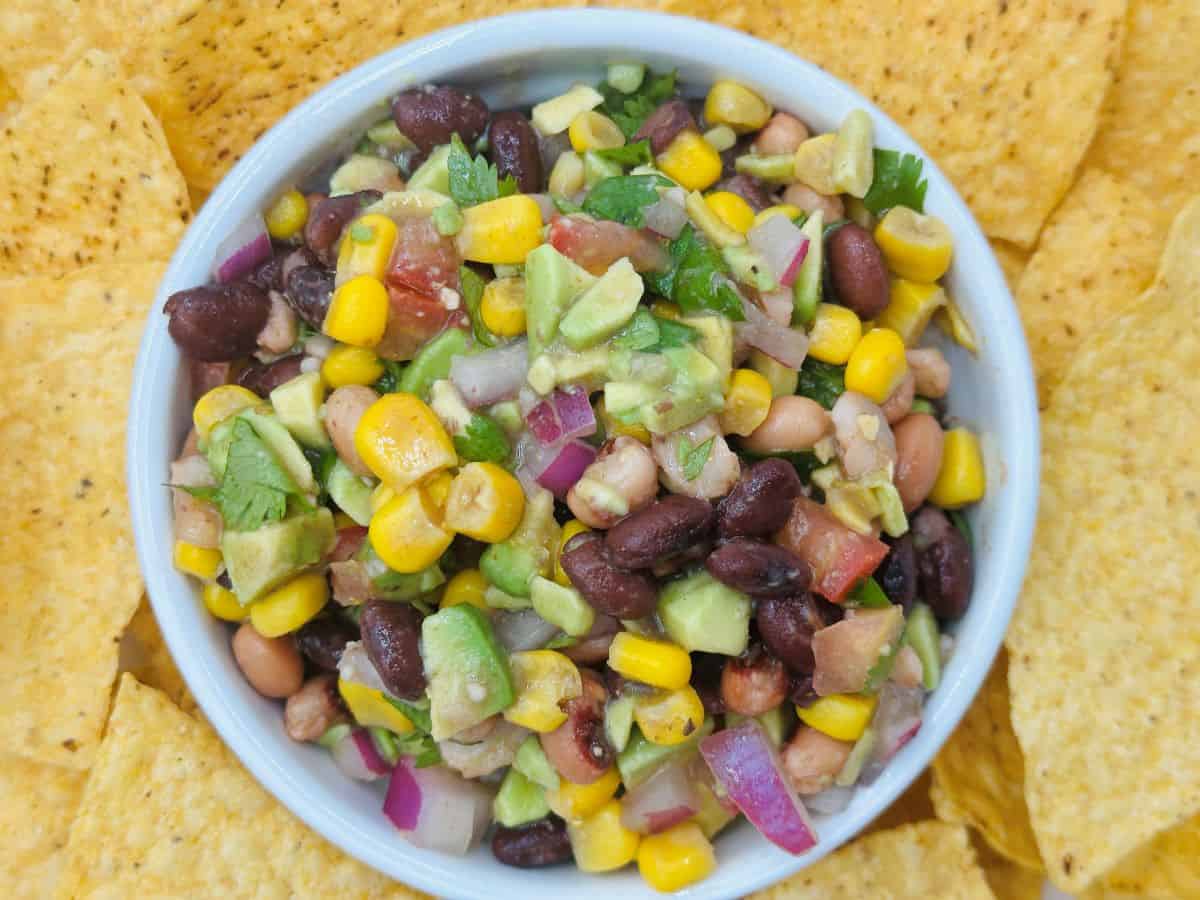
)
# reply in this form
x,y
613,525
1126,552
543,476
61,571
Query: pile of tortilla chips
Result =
x,y
1072,127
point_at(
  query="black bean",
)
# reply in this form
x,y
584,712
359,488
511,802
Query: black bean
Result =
x,y
540,843
514,149
204,376
604,585
759,569
429,115
262,378
706,680
945,571
749,189
218,323
663,529
761,501
322,640
787,626
664,124
858,270
309,291
329,217
897,574
391,634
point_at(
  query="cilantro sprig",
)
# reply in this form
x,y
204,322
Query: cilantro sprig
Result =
x,y
624,198
483,441
474,181
898,182
472,293
650,333
635,154
255,487
693,457
698,278
629,111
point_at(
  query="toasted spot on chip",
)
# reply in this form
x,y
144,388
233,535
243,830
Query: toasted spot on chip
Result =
x,y
1104,651
69,581
35,817
168,811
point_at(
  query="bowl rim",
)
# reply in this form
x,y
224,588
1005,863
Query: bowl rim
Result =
x,y
591,30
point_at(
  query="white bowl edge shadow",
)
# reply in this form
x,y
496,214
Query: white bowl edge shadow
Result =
x,y
546,51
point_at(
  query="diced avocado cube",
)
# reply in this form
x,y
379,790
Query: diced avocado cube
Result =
x,y
386,134
921,633
510,567
618,721
466,669
713,815
259,561
604,307
348,491
552,281
596,168
806,289
392,585
434,173
283,445
433,362
640,758
297,403
783,380
585,367
498,599
532,762
750,268
702,614
508,416
562,606
716,341
625,399
519,801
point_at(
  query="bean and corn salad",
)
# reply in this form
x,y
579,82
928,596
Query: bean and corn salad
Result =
x,y
580,471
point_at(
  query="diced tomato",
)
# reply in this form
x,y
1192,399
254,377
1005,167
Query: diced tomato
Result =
x,y
414,318
597,244
423,260
839,557
349,542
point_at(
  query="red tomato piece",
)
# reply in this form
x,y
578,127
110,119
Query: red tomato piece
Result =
x,y
597,244
423,260
349,542
839,557
413,319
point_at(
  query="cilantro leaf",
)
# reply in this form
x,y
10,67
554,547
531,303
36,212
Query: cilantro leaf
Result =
x,y
821,381
898,182
635,154
651,334
565,206
629,111
473,181
698,278
693,458
484,441
560,641
868,594
417,713
472,293
322,462
255,487
623,198
389,381
674,334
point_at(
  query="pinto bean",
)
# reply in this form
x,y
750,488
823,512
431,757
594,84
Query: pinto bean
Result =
x,y
578,749
761,501
858,270
759,569
514,149
604,585
782,134
343,408
281,329
919,441
622,479
753,685
945,570
803,197
540,843
430,114
391,634
323,639
664,124
813,759
328,217
313,709
262,378
899,402
787,626
793,423
217,322
309,290
897,574
931,371
663,529
272,666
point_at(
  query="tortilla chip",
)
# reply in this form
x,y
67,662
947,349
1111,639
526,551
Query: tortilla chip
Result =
x,y
145,656
1096,255
911,806
168,811
39,41
928,859
1007,880
979,777
87,178
1150,125
69,581
1013,260
1167,868
35,817
1004,95
1103,662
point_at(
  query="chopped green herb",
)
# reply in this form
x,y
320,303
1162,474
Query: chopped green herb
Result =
x,y
484,441
693,458
635,154
640,334
560,641
674,334
417,712
624,198
385,743
898,182
389,381
565,206
867,593
322,462
698,278
472,293
922,405
473,181
964,527
629,111
255,488
821,381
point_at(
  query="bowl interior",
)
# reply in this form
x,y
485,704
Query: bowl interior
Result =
x,y
517,60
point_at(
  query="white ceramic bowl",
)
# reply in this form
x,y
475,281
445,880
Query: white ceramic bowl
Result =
x,y
514,60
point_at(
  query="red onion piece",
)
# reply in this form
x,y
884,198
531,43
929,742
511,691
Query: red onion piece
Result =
x,y
665,218
787,346
778,306
897,719
544,424
436,808
562,473
353,762
574,412
666,798
745,764
782,245
244,249
491,376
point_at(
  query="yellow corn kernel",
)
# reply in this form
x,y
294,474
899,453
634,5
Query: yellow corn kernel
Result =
x,y
669,717
841,716
288,607
877,364
408,532
575,802
779,209
219,404
747,403
369,707
438,487
950,319
543,680
467,586
366,248
566,178
675,858
503,306
601,843
591,130
732,210
691,161
401,440
813,163
351,365
358,313
201,562
381,495
287,215
569,531
835,333
916,246
735,105
485,502
555,115
657,663
910,308
712,225
222,603
501,231
961,479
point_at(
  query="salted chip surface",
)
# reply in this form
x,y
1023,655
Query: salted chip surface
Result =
x,y
927,859
87,177
69,580
1167,867
979,776
169,812
35,818
1096,255
145,656
1104,651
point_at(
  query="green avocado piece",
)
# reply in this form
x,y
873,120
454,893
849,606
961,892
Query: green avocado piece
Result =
x,y
562,606
434,173
783,380
466,669
408,585
749,267
259,561
532,762
552,281
432,363
349,492
859,754
604,308
713,816
216,448
596,168
640,758
806,289
510,567
921,633
273,433
297,403
519,801
618,721
702,614
716,341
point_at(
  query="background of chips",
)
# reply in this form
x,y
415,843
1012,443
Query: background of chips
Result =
x,y
1071,127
